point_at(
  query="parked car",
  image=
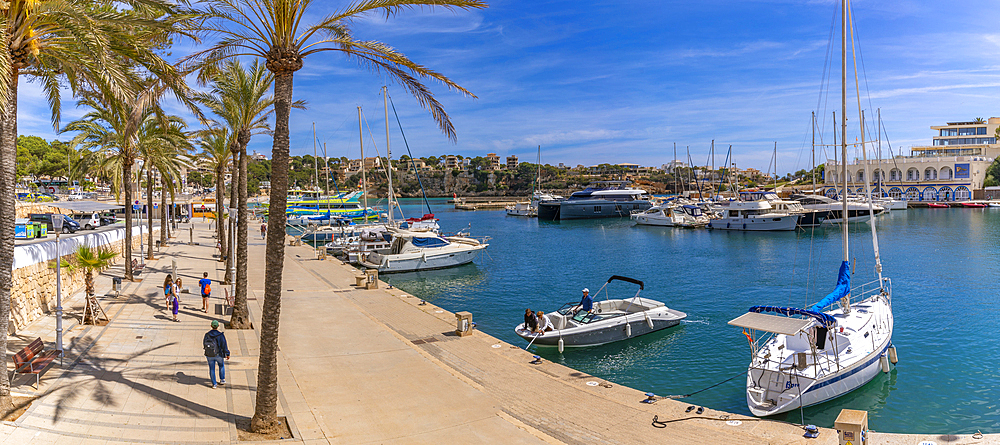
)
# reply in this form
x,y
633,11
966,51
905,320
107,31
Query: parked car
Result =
x,y
69,226
89,221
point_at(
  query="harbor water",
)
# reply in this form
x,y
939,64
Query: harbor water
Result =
x,y
943,264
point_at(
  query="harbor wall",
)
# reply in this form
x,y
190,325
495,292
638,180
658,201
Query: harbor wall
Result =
x,y
33,290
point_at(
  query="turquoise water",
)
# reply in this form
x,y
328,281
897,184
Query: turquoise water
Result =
x,y
943,264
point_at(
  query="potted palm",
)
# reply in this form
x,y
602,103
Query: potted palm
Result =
x,y
91,260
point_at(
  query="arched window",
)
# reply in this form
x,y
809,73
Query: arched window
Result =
x,y
831,192
861,176
930,174
912,194
895,175
945,173
962,193
895,192
946,193
912,174
930,194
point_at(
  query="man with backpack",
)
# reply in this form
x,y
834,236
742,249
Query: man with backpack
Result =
x,y
215,349
206,291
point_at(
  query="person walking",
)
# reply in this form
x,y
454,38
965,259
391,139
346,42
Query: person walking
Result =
x,y
206,291
168,288
263,230
216,351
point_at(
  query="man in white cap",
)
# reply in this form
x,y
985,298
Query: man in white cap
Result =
x,y
586,303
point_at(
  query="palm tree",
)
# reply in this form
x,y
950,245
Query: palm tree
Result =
x,y
215,156
75,43
240,98
162,138
91,260
273,30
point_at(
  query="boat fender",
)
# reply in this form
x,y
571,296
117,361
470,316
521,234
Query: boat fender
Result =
x,y
727,225
561,346
884,361
744,226
892,355
628,330
649,321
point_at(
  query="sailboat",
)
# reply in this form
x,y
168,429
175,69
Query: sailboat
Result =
x,y
806,356
530,209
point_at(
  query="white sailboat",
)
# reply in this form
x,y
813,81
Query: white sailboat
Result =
x,y
803,357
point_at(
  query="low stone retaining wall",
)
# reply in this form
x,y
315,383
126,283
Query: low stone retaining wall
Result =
x,y
33,290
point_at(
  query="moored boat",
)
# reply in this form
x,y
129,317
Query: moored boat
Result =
x,y
609,321
937,205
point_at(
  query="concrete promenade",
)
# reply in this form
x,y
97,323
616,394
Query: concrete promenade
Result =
x,y
355,366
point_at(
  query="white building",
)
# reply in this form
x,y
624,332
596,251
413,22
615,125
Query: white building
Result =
x,y
948,170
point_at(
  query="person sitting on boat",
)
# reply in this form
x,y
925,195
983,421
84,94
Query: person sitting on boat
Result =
x,y
544,324
530,322
586,303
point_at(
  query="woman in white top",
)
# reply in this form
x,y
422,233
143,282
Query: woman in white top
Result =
x,y
544,324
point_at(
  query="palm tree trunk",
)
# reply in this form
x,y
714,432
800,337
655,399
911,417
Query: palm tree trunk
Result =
x,y
127,184
265,417
241,314
149,211
8,170
220,186
163,210
230,259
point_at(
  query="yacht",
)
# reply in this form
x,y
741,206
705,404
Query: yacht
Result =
x,y
672,215
754,216
601,199
856,211
530,208
807,218
411,251
609,321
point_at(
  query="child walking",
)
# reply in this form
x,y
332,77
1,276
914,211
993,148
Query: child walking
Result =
x,y
206,291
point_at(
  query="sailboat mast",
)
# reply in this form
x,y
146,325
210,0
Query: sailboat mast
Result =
x,y
864,158
775,166
364,181
538,176
315,162
673,168
326,163
843,126
812,172
388,151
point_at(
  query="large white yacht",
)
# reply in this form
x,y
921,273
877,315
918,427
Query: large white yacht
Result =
x,y
671,215
412,251
856,211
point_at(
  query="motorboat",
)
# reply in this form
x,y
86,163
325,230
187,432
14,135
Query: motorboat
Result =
x,y
974,205
890,203
856,211
807,217
994,204
601,199
806,356
522,209
610,320
411,251
672,215
754,216
937,205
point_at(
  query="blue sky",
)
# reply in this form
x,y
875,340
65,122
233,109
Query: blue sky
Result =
x,y
611,81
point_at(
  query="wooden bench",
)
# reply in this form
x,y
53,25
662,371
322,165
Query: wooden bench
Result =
x,y
32,360
136,267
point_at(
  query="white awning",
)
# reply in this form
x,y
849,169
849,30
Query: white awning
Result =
x,y
771,323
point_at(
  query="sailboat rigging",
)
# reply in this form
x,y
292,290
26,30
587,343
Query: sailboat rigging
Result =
x,y
802,357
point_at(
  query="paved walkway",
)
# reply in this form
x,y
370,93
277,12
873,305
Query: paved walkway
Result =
x,y
355,366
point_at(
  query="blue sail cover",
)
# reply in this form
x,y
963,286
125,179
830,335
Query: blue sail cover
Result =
x,y
825,319
843,288
429,242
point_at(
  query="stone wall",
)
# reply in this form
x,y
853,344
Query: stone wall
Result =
x,y
33,293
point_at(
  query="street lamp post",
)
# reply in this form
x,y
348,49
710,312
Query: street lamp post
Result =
x,y
57,225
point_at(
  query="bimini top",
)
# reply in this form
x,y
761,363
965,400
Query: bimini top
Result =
x,y
825,319
771,323
410,234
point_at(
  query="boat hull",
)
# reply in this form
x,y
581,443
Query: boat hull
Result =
x,y
420,261
770,223
589,209
581,337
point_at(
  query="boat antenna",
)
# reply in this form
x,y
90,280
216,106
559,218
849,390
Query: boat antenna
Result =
x,y
864,157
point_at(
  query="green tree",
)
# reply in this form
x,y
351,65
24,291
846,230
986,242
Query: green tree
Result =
x,y
215,156
273,30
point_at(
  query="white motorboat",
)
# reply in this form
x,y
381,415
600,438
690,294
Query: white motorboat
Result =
x,y
671,215
889,203
412,251
804,357
523,209
754,216
807,218
610,320
856,211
